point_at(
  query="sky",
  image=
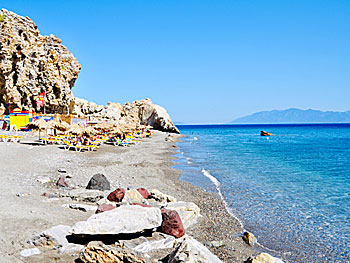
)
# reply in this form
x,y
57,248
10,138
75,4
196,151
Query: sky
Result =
x,y
204,61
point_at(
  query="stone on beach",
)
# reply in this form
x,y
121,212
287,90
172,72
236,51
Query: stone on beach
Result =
x,y
53,237
189,212
108,254
134,196
147,244
117,195
144,192
161,197
172,224
99,182
71,249
190,250
30,252
121,220
84,195
264,258
104,207
249,238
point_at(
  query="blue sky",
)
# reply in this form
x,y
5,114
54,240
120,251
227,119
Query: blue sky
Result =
x,y
205,61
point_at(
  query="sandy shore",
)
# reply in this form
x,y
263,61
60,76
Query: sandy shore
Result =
x,y
25,212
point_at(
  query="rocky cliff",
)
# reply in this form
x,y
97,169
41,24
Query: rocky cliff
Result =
x,y
139,112
31,64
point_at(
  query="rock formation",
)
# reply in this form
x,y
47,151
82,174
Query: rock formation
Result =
x,y
31,64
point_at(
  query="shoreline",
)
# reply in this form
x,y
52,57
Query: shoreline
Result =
x,y
147,165
258,246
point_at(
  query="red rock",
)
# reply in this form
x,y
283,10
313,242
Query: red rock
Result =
x,y
143,205
62,182
172,224
117,195
104,207
143,192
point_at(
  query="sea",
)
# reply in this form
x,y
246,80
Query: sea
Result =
x,y
292,190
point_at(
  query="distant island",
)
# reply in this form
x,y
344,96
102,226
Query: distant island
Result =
x,y
294,115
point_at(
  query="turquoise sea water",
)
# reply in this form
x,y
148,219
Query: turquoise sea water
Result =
x,y
291,190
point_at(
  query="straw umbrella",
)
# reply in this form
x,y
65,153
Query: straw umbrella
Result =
x,y
39,125
90,130
63,126
76,129
103,126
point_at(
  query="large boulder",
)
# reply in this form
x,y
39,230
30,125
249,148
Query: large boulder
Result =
x,y
134,196
99,182
191,251
117,195
54,237
147,244
108,254
189,212
121,220
172,224
31,63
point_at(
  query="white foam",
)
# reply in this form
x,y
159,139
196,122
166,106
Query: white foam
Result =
x,y
228,209
217,185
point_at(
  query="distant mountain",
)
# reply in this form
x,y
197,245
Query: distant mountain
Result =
x,y
295,116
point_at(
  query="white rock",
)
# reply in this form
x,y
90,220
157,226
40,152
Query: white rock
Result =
x,y
30,252
161,197
145,245
44,180
53,236
265,258
191,251
189,212
71,249
123,219
133,196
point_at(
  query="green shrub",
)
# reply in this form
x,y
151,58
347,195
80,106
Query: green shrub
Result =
x,y
2,18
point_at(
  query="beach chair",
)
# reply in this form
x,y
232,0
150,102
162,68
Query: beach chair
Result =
x,y
16,139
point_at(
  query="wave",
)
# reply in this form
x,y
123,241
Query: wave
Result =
x,y
217,186
227,207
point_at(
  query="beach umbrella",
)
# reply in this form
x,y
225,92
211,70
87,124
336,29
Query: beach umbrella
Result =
x,y
103,126
76,129
39,125
90,130
116,130
63,126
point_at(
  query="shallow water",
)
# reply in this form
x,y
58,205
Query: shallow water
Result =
x,y
291,190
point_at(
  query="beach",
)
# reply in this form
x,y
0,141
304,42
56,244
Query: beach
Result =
x,y
25,170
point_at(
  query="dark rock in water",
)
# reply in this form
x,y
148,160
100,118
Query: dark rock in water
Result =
x,y
117,195
172,224
104,207
249,238
265,133
143,205
99,182
62,182
144,193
